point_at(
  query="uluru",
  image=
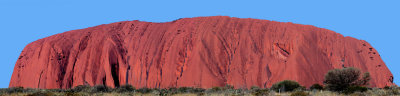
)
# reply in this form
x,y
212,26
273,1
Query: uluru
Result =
x,y
199,52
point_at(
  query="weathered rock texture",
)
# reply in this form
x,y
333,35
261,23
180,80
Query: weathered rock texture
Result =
x,y
197,52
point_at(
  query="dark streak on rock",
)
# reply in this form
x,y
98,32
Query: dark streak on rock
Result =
x,y
40,76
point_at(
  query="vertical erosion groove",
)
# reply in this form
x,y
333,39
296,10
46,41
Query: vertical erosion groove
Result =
x,y
127,74
82,46
40,77
114,65
63,62
114,73
104,80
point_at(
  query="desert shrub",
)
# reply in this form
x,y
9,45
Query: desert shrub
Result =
x,y
70,93
144,90
125,88
285,85
56,90
173,90
216,89
198,90
353,89
390,87
31,90
155,91
79,94
358,94
81,88
258,91
341,79
393,92
386,88
164,92
235,92
316,87
227,87
364,81
301,88
15,90
376,92
185,89
101,88
254,87
299,93
3,90
42,93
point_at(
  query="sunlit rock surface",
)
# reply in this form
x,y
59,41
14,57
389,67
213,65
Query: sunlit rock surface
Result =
x,y
194,52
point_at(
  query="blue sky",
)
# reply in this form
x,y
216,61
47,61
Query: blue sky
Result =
x,y
22,22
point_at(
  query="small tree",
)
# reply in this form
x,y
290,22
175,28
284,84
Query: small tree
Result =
x,y
341,79
316,87
285,85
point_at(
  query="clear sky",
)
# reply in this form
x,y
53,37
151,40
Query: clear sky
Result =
x,y
22,22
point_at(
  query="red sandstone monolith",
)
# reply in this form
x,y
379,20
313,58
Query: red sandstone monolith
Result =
x,y
194,52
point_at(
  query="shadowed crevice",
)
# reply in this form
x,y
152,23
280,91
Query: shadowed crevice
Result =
x,y
40,77
114,74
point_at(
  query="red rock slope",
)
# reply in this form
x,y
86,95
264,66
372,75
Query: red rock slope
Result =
x,y
198,52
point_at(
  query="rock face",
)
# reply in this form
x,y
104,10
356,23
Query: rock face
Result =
x,y
196,52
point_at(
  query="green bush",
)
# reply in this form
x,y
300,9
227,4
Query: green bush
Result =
x,y
341,79
81,88
254,87
258,91
164,92
285,86
393,92
227,87
386,88
235,92
185,89
15,90
299,93
173,90
56,90
125,88
70,93
198,90
353,89
216,89
316,87
30,90
144,90
301,88
101,88
42,93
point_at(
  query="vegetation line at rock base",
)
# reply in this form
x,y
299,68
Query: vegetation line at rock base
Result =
x,y
346,81
127,90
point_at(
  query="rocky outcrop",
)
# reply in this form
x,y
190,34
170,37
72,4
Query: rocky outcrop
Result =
x,y
195,52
